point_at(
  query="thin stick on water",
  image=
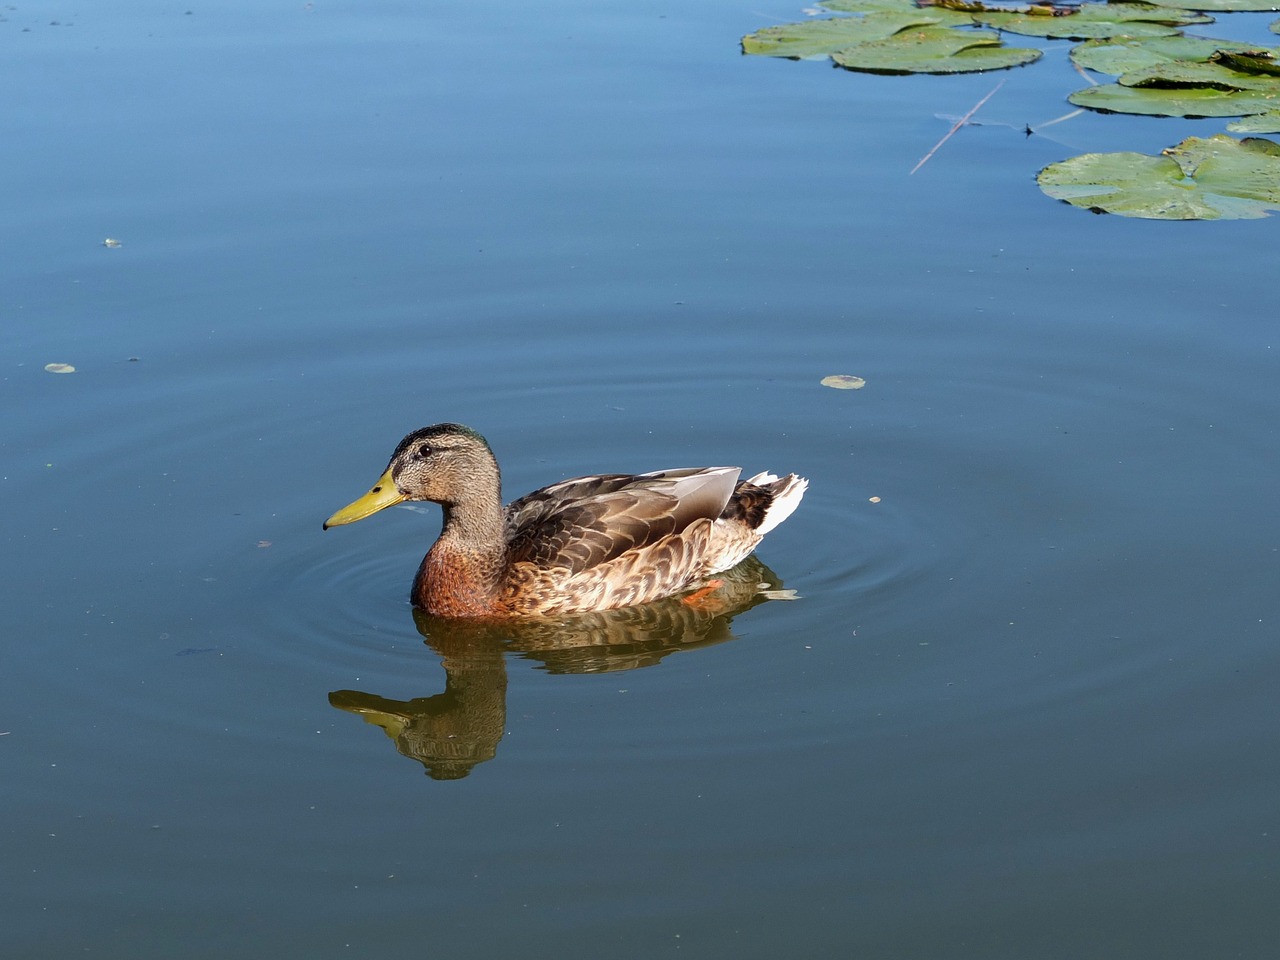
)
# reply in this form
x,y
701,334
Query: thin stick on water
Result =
x,y
1049,123
1084,73
958,124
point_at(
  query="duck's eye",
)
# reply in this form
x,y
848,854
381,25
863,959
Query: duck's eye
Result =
x,y
424,451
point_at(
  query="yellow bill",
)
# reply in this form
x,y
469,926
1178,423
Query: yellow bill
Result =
x,y
384,494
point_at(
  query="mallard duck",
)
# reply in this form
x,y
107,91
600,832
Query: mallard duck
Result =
x,y
591,543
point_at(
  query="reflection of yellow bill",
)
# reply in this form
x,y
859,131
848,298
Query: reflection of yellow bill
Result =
x,y
384,494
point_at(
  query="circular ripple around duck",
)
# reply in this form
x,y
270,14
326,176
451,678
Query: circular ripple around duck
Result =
x,y
347,600
856,548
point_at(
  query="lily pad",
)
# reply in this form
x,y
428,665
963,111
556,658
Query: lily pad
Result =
x,y
1258,123
1092,21
935,50
1260,62
1173,102
821,38
1218,178
59,368
1119,55
1204,74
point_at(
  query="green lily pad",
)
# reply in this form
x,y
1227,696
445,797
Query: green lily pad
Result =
x,y
1179,74
1092,21
1175,102
1121,55
1258,123
1262,62
935,50
1223,6
1218,178
821,38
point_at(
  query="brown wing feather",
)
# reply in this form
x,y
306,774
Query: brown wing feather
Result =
x,y
583,523
533,508
582,535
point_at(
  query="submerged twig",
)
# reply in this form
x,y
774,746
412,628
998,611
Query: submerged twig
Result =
x,y
1049,123
1084,73
956,126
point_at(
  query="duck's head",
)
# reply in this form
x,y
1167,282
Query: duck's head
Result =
x,y
446,464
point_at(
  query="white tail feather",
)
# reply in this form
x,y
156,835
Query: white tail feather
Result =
x,y
787,494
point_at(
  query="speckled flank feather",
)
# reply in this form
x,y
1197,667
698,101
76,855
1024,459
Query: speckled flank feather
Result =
x,y
591,543
637,575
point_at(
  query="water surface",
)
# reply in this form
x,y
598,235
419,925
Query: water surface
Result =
x,y
1025,706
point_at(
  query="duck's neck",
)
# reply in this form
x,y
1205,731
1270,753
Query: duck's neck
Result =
x,y
462,571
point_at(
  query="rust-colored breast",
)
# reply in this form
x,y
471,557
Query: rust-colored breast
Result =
x,y
451,584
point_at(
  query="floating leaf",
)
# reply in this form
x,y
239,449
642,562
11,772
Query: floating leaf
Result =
x,y
1122,55
59,368
844,381
1260,62
1218,178
935,50
1176,102
1258,123
1213,74
111,243
821,38
1092,20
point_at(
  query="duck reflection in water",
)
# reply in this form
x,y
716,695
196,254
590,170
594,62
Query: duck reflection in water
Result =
x,y
450,733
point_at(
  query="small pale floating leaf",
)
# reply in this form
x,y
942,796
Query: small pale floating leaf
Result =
x,y
111,243
935,50
1258,123
1215,178
844,381
1121,55
1092,21
873,499
1178,102
59,368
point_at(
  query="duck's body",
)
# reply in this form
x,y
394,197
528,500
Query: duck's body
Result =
x,y
592,543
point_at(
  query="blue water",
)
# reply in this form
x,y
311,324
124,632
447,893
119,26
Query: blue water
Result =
x,y
1025,704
